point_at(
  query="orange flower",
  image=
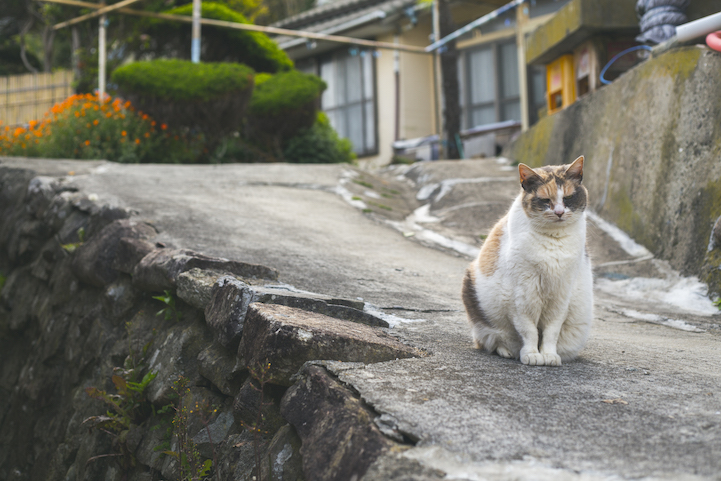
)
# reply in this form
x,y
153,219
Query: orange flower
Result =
x,y
123,133
163,126
87,125
77,114
153,123
145,117
87,142
109,114
32,124
127,104
96,122
19,131
137,141
147,135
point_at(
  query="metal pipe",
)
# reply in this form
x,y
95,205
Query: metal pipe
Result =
x,y
195,42
101,57
698,28
476,23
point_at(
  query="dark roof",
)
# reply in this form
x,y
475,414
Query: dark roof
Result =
x,y
338,12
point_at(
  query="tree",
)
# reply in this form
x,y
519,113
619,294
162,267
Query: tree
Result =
x,y
449,74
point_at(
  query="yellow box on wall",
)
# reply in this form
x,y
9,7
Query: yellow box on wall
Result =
x,y
561,83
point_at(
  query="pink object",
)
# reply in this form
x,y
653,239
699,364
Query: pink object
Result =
x,y
713,40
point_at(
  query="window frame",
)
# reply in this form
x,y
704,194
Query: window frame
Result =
x,y
498,102
340,56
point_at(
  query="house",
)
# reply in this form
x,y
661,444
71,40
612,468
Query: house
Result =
x,y
378,96
374,97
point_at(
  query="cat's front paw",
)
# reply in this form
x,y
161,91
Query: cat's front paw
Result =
x,y
533,359
551,359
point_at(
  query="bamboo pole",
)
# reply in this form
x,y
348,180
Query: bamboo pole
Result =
x,y
102,10
254,28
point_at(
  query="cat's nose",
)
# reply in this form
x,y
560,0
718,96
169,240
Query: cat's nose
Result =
x,y
558,210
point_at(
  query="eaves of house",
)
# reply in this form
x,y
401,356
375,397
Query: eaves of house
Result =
x,y
355,18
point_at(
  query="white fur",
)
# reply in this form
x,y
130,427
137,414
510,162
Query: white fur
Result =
x,y
542,288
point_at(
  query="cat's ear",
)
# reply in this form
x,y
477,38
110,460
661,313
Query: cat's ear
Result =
x,y
529,179
575,170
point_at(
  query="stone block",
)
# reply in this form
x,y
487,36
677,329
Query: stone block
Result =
x,y
341,443
254,407
225,313
287,337
130,252
222,368
94,259
196,286
346,309
159,270
283,462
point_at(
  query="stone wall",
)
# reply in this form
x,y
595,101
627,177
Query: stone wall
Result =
x,y
106,336
652,143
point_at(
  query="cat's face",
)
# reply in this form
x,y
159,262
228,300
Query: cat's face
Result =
x,y
553,194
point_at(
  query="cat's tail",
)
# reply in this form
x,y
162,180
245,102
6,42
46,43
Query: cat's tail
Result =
x,y
484,335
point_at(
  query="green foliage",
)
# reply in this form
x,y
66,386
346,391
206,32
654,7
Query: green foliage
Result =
x,y
192,466
716,303
129,407
169,311
180,80
318,144
281,106
3,278
276,95
219,44
84,127
70,248
207,99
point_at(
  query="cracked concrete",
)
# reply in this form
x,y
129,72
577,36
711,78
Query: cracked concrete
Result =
x,y
642,401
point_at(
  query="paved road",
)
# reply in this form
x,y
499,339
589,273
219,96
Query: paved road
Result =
x,y
642,401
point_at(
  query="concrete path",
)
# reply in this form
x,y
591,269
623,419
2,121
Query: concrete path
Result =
x,y
642,401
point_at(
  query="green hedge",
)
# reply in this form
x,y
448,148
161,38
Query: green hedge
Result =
x,y
197,98
182,80
279,93
281,106
218,44
319,144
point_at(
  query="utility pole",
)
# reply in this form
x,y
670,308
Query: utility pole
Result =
x,y
101,57
521,20
195,45
437,78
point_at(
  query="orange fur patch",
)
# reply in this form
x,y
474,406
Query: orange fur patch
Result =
x,y
488,258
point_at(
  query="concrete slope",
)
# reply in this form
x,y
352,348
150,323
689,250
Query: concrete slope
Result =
x,y
642,401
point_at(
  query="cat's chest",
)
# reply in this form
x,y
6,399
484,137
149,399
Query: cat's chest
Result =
x,y
545,254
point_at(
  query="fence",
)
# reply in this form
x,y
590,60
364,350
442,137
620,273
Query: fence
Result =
x,y
28,97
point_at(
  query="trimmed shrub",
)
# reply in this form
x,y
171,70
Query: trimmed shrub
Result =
x,y
218,44
319,144
83,127
206,98
281,106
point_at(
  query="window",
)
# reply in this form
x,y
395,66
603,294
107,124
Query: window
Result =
x,y
349,100
493,93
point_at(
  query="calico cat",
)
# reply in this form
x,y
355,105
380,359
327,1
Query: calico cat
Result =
x,y
529,294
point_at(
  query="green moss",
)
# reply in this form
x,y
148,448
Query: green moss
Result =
x,y
677,64
182,80
532,146
285,91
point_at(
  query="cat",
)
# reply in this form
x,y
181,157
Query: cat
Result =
x,y
529,293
